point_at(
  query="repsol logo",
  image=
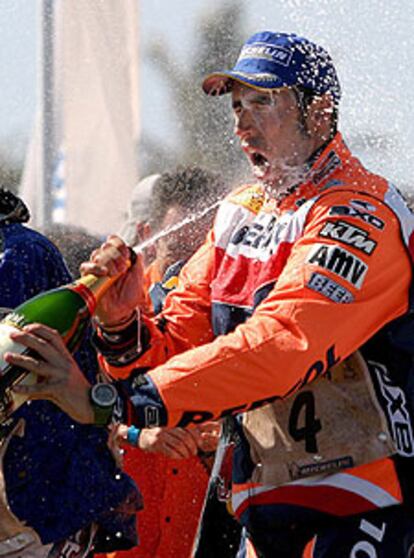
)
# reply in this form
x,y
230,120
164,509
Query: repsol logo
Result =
x,y
396,410
350,235
315,370
368,218
263,236
319,367
339,261
370,545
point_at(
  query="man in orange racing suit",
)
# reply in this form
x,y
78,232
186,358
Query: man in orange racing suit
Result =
x,y
296,309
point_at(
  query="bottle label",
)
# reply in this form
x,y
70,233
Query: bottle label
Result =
x,y
14,320
10,401
7,345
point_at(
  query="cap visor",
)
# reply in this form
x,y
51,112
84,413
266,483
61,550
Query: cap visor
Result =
x,y
217,83
220,83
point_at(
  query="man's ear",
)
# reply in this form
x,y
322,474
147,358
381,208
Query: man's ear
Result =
x,y
319,116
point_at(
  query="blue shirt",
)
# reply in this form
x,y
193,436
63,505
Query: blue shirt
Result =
x,y
60,476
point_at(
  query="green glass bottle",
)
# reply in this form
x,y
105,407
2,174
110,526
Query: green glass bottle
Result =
x,y
67,309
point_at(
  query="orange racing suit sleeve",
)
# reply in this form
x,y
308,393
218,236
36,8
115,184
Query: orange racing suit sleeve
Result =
x,y
188,323
294,335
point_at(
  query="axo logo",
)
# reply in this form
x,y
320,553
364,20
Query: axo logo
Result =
x,y
396,410
346,211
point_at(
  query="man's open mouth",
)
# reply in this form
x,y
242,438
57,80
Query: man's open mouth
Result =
x,y
259,162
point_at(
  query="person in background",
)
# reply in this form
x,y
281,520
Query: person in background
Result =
x,y
58,479
139,210
74,243
170,466
136,228
296,316
186,196
182,209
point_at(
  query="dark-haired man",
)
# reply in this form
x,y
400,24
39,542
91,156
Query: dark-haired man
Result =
x,y
182,208
171,476
290,316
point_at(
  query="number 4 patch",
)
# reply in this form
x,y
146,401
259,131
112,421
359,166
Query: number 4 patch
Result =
x,y
305,401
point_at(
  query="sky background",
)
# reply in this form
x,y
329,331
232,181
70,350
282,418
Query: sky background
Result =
x,y
371,41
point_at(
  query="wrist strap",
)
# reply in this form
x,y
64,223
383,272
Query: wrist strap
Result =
x,y
133,435
119,325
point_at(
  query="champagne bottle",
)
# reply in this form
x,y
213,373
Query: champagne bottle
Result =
x,y
67,309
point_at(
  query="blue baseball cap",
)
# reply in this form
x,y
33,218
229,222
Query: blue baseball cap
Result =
x,y
271,60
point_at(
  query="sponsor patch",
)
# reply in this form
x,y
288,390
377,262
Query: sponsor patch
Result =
x,y
397,413
171,283
263,237
300,471
152,417
264,51
330,163
329,288
339,261
347,211
262,78
251,198
364,205
350,235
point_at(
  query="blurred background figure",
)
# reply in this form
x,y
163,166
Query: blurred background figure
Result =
x,y
136,228
74,243
187,196
173,489
133,230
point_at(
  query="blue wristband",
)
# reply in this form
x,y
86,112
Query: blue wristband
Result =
x,y
133,435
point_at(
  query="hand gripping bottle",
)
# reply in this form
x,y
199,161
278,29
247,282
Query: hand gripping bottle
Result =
x,y
67,309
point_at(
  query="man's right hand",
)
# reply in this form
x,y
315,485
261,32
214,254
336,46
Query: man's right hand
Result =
x,y
127,293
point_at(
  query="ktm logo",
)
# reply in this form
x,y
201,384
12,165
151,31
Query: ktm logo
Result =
x,y
350,235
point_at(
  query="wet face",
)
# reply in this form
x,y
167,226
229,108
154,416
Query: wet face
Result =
x,y
271,134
